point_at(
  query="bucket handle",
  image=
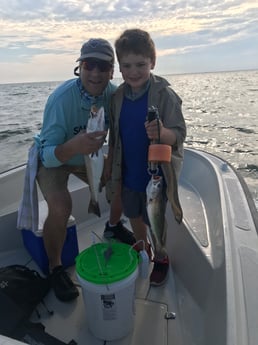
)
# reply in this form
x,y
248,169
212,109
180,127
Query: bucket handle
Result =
x,y
94,236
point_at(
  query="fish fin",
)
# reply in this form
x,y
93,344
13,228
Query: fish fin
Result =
x,y
94,208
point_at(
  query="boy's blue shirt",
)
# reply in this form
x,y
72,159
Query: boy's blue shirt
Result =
x,y
135,143
65,115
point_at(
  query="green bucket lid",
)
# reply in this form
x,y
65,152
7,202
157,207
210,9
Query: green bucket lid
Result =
x,y
92,266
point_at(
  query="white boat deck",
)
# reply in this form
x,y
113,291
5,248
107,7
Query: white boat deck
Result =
x,y
212,280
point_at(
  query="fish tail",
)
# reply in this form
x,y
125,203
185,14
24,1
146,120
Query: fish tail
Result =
x,y
94,208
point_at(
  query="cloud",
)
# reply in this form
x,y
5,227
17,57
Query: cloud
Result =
x,y
47,28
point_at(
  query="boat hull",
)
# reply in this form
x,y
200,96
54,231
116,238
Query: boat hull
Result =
x,y
213,281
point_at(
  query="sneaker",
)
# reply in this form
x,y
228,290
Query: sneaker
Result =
x,y
119,232
64,288
159,273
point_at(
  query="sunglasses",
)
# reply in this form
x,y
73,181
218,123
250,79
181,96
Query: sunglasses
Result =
x,y
101,65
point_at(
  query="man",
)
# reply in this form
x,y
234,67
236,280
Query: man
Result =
x,y
62,143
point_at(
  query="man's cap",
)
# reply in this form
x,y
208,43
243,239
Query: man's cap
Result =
x,y
97,48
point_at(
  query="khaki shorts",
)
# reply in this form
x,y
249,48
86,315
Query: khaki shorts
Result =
x,y
56,179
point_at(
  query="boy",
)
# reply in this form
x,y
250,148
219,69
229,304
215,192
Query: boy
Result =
x,y
130,133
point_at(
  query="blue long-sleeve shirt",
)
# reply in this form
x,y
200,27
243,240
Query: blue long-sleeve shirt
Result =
x,y
66,114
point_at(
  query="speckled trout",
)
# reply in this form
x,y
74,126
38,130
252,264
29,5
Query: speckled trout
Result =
x,y
95,161
156,205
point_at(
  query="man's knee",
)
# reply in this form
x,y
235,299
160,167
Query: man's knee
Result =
x,y
60,203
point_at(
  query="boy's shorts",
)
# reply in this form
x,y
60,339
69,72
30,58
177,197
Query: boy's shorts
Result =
x,y
134,204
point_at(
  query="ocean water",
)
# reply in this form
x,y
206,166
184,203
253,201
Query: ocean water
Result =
x,y
220,109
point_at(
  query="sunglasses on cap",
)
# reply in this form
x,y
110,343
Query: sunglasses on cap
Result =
x,y
103,66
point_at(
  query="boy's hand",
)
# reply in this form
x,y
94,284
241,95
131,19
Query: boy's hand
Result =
x,y
153,129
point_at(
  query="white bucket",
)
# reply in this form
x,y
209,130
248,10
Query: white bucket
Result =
x,y
110,308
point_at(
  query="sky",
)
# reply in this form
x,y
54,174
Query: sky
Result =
x,y
41,40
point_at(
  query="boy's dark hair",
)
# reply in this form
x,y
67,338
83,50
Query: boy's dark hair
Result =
x,y
135,41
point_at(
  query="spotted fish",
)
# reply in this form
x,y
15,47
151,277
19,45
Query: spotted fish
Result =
x,y
156,205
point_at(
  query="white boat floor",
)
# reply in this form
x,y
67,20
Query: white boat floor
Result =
x,y
153,305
